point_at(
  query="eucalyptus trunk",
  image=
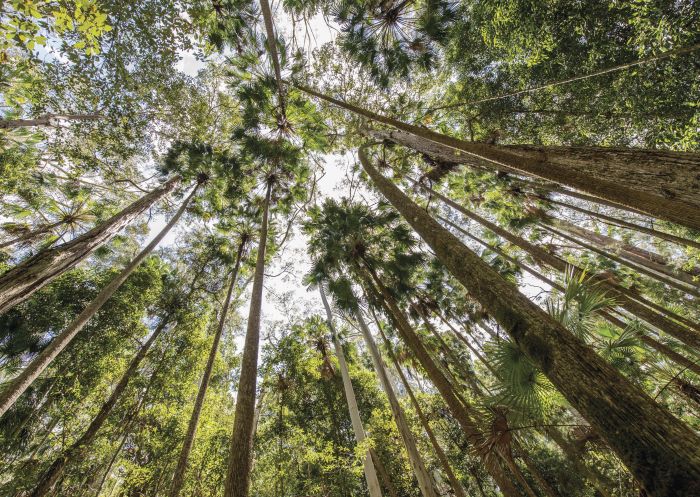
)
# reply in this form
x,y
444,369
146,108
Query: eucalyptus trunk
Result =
x,y
660,451
18,385
669,204
456,485
47,120
653,343
358,429
447,390
638,306
181,468
241,448
425,482
20,282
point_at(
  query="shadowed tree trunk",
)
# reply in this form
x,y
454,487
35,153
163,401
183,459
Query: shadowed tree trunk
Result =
x,y
32,234
670,205
370,473
441,382
634,304
661,452
47,120
442,457
20,282
181,468
18,385
425,482
240,460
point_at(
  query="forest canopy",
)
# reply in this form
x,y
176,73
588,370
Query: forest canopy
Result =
x,y
340,248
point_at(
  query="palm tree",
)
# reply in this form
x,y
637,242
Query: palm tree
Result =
x,y
370,473
20,282
629,421
181,468
18,385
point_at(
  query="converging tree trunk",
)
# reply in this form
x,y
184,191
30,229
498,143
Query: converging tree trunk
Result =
x,y
18,385
47,120
425,482
439,452
181,468
358,429
77,450
20,282
240,451
661,451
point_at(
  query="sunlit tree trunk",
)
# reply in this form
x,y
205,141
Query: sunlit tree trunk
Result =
x,y
181,468
370,473
670,205
18,385
47,120
439,452
425,482
661,452
20,282
240,451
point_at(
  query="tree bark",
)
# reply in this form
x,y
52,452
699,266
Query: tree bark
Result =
x,y
370,473
636,305
18,385
671,206
425,482
240,451
456,485
47,120
181,468
32,234
20,282
272,48
660,451
441,382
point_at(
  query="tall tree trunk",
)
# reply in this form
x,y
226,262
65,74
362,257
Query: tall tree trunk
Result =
x,y
20,282
77,450
425,482
181,468
646,339
589,241
626,224
670,206
442,383
272,48
634,304
650,260
661,452
370,473
47,120
439,452
241,448
18,385
32,234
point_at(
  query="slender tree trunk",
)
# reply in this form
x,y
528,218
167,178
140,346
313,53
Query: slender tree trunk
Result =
x,y
671,205
661,452
370,473
181,468
272,48
383,473
47,120
32,234
655,271
646,339
77,450
441,382
20,282
425,482
18,385
636,305
649,260
241,448
439,452
626,224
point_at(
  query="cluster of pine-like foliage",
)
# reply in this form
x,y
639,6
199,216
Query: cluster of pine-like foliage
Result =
x,y
504,270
